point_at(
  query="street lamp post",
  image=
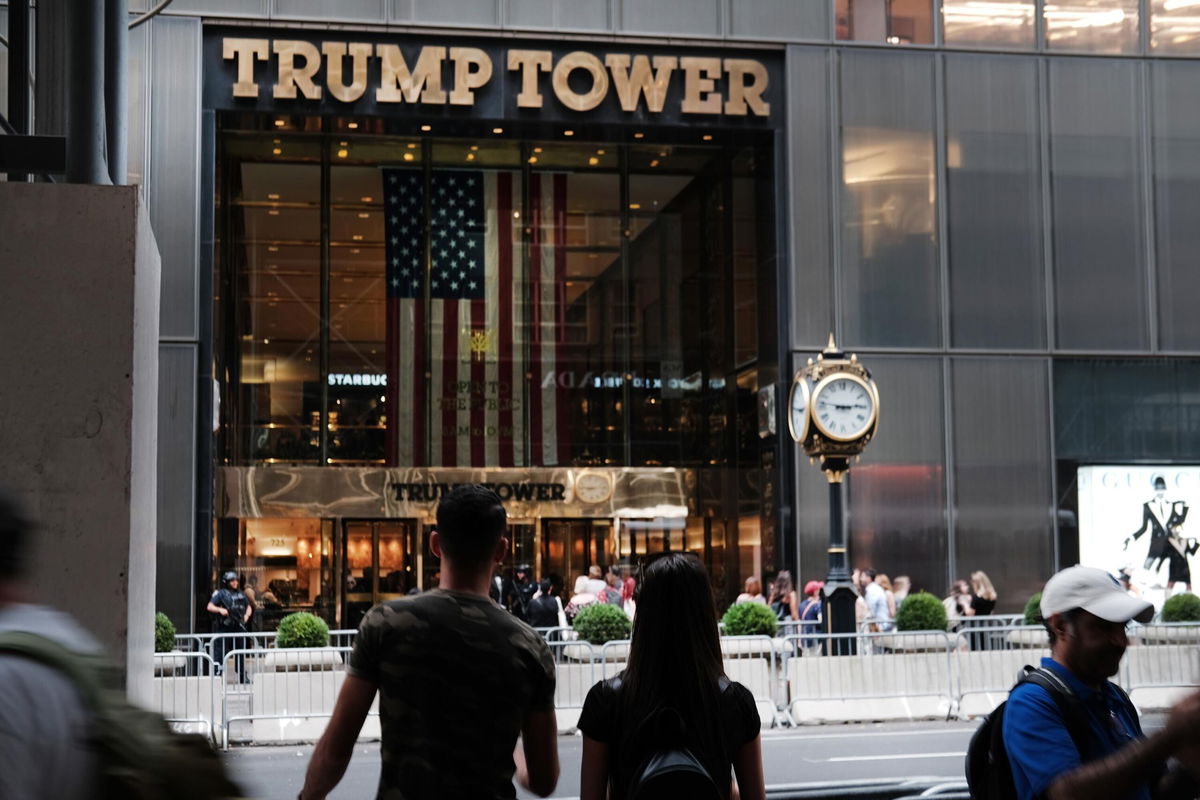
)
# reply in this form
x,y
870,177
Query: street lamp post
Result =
x,y
833,412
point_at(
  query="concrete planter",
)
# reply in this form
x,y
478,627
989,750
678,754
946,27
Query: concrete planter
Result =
x,y
911,641
1164,634
306,659
171,663
1028,637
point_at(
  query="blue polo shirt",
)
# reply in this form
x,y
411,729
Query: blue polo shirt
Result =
x,y
1039,746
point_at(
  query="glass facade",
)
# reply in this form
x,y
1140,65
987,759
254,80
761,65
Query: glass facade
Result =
x,y
493,302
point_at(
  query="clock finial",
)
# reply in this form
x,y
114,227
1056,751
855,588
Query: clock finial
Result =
x,y
832,346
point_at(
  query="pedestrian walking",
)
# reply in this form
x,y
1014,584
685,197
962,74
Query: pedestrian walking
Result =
x,y
875,596
459,679
810,618
783,597
753,593
983,602
672,694
1091,744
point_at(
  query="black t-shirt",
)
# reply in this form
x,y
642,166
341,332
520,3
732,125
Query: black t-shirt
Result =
x,y
981,606
457,676
602,720
543,611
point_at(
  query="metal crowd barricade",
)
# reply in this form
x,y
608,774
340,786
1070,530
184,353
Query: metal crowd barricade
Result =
x,y
1162,663
984,676
558,634
574,672
185,691
753,661
898,675
285,694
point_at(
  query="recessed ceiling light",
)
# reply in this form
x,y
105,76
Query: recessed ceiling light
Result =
x,y
279,123
357,237
343,144
352,126
277,152
367,198
408,156
273,195
474,147
537,149
639,135
662,153
497,130
427,128
343,153
533,159
568,133
412,145
354,251
593,161
274,212
654,163
272,249
635,206
600,152
470,156
707,137
363,215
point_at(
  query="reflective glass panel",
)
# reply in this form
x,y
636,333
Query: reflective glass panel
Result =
x,y
1093,26
285,564
891,21
994,211
889,245
1175,26
1176,134
1098,204
988,23
275,239
897,494
1002,474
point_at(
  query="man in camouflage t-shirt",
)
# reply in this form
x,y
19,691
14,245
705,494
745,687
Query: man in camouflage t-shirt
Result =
x,y
459,679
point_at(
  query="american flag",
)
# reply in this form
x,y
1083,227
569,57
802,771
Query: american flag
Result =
x,y
458,389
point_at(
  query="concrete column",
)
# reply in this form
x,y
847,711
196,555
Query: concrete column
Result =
x,y
79,403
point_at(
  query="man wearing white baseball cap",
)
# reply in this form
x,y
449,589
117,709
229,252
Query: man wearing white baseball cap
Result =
x,y
1087,742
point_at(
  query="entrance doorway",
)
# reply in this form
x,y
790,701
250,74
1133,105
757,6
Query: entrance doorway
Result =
x,y
570,546
380,564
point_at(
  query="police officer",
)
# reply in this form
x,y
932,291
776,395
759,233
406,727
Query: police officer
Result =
x,y
231,611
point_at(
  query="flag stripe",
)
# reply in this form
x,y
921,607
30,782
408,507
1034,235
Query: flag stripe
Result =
x,y
504,393
535,321
547,335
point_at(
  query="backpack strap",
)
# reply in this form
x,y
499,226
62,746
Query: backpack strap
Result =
x,y
79,668
1069,705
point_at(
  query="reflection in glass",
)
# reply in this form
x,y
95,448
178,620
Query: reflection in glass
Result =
x,y
889,247
287,565
988,23
1098,204
1176,131
897,495
891,21
1175,26
1093,26
276,239
997,285
1002,473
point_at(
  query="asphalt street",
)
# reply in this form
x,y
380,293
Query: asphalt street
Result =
x,y
790,756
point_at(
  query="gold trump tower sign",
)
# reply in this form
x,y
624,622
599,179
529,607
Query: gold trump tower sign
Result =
x,y
451,76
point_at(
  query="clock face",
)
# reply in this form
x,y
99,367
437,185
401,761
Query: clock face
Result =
x,y
592,487
798,408
844,407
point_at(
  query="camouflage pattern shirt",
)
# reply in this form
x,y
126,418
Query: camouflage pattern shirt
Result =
x,y
457,676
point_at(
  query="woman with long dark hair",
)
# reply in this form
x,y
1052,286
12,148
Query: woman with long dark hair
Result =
x,y
674,680
784,601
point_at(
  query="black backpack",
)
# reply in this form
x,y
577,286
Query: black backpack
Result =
x,y
672,771
989,773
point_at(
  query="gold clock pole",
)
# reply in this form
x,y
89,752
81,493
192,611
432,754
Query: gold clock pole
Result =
x,y
835,410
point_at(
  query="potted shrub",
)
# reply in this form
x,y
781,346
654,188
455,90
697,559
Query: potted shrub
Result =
x,y
164,642
598,623
919,612
1179,608
1033,617
309,636
749,619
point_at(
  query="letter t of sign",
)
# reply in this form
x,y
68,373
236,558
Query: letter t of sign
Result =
x,y
245,52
